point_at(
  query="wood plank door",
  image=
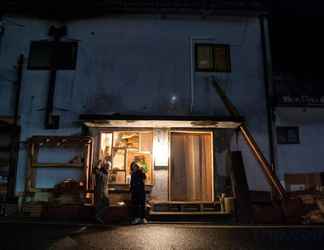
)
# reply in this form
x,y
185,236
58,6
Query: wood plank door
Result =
x,y
191,175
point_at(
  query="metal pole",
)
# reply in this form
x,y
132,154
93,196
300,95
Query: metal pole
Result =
x,y
267,71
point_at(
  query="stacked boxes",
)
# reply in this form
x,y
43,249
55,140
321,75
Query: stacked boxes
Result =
x,y
304,181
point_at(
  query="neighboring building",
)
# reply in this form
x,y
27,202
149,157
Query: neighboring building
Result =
x,y
135,78
298,109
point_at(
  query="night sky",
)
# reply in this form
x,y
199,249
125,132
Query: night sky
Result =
x,y
297,37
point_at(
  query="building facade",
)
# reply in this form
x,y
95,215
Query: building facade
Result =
x,y
139,85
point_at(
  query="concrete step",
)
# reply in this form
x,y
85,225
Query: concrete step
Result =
x,y
184,206
212,217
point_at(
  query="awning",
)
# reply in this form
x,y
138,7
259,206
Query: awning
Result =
x,y
136,121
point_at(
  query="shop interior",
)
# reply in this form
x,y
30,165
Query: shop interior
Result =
x,y
176,156
183,160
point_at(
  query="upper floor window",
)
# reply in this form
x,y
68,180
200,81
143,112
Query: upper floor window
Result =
x,y
46,54
213,58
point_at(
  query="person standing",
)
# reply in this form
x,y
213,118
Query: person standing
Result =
x,y
137,189
101,189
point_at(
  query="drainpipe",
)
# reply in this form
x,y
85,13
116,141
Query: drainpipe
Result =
x,y
18,87
15,133
50,98
2,29
269,93
57,34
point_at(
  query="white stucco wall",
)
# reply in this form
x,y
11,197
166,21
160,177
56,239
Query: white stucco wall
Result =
x,y
135,65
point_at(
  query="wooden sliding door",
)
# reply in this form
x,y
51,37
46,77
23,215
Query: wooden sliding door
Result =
x,y
191,175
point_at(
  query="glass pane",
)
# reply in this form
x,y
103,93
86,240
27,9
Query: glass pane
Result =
x,y
287,135
40,55
41,52
221,58
117,177
66,55
204,57
105,145
118,159
126,139
146,141
142,159
292,135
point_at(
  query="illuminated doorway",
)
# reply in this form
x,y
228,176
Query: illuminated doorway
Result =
x,y
191,171
123,147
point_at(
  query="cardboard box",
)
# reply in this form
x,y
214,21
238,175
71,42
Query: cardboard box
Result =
x,y
304,181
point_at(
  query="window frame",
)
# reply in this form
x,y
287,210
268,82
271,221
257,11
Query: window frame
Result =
x,y
51,45
214,46
286,129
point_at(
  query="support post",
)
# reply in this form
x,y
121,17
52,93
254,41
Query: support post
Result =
x,y
265,166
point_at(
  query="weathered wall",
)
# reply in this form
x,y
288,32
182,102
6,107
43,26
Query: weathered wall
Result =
x,y
141,65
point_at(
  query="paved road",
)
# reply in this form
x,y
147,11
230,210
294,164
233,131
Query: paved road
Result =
x,y
17,236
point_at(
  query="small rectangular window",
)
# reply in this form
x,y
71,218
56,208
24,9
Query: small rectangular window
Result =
x,y
39,55
288,135
213,58
46,54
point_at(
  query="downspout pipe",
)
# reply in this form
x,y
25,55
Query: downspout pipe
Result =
x,y
50,98
15,132
57,34
18,87
269,93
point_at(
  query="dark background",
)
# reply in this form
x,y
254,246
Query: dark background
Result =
x,y
297,39
297,29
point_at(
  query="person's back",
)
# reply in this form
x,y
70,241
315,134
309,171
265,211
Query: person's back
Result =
x,y
137,188
101,193
137,181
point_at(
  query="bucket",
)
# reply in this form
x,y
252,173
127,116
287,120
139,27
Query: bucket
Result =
x,y
229,204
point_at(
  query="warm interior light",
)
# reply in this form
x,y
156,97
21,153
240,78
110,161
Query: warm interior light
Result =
x,y
161,147
105,145
121,203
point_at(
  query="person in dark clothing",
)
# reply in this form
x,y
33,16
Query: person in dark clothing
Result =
x,y
101,190
137,189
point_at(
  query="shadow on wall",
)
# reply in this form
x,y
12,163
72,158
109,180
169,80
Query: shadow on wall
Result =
x,y
104,103
134,104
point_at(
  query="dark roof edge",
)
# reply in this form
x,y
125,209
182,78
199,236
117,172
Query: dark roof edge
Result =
x,y
102,117
162,16
68,11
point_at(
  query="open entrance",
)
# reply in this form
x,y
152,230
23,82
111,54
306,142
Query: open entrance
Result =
x,y
191,177
124,147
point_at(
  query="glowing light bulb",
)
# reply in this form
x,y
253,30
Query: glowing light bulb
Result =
x,y
173,99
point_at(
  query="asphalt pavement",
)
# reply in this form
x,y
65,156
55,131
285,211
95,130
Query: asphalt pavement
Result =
x,y
160,236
